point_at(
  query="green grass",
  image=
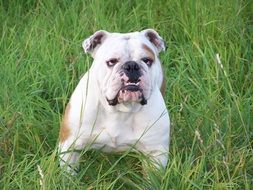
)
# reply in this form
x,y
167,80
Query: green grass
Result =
x,y
211,105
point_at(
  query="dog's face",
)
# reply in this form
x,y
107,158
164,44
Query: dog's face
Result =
x,y
127,65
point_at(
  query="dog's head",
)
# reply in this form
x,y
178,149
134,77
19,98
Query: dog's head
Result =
x,y
127,66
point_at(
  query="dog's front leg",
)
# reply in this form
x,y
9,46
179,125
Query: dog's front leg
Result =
x,y
158,156
68,156
69,141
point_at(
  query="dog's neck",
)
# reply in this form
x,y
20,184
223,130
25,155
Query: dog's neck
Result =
x,y
128,107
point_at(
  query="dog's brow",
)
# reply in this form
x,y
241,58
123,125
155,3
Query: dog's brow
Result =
x,y
149,50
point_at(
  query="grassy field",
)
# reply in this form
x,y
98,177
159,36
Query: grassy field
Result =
x,y
209,71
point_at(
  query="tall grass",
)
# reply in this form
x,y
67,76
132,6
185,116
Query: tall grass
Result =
x,y
209,71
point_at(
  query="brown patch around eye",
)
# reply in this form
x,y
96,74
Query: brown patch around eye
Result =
x,y
149,51
65,128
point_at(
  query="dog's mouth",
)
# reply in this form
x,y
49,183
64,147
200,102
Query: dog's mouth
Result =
x,y
131,87
129,92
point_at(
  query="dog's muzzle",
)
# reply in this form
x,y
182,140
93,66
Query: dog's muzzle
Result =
x,y
130,90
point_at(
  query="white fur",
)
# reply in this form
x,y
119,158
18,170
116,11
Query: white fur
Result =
x,y
96,124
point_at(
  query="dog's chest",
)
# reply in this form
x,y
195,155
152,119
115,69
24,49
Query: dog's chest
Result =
x,y
115,134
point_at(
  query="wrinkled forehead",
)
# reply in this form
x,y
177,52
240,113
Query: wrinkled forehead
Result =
x,y
128,46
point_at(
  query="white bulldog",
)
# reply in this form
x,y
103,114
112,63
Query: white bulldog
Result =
x,y
118,104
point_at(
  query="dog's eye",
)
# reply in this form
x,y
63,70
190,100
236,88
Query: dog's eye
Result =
x,y
112,62
147,60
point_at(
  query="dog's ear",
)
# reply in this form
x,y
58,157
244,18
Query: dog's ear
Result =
x,y
91,44
155,39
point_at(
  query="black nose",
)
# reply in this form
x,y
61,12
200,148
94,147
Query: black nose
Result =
x,y
132,70
131,66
